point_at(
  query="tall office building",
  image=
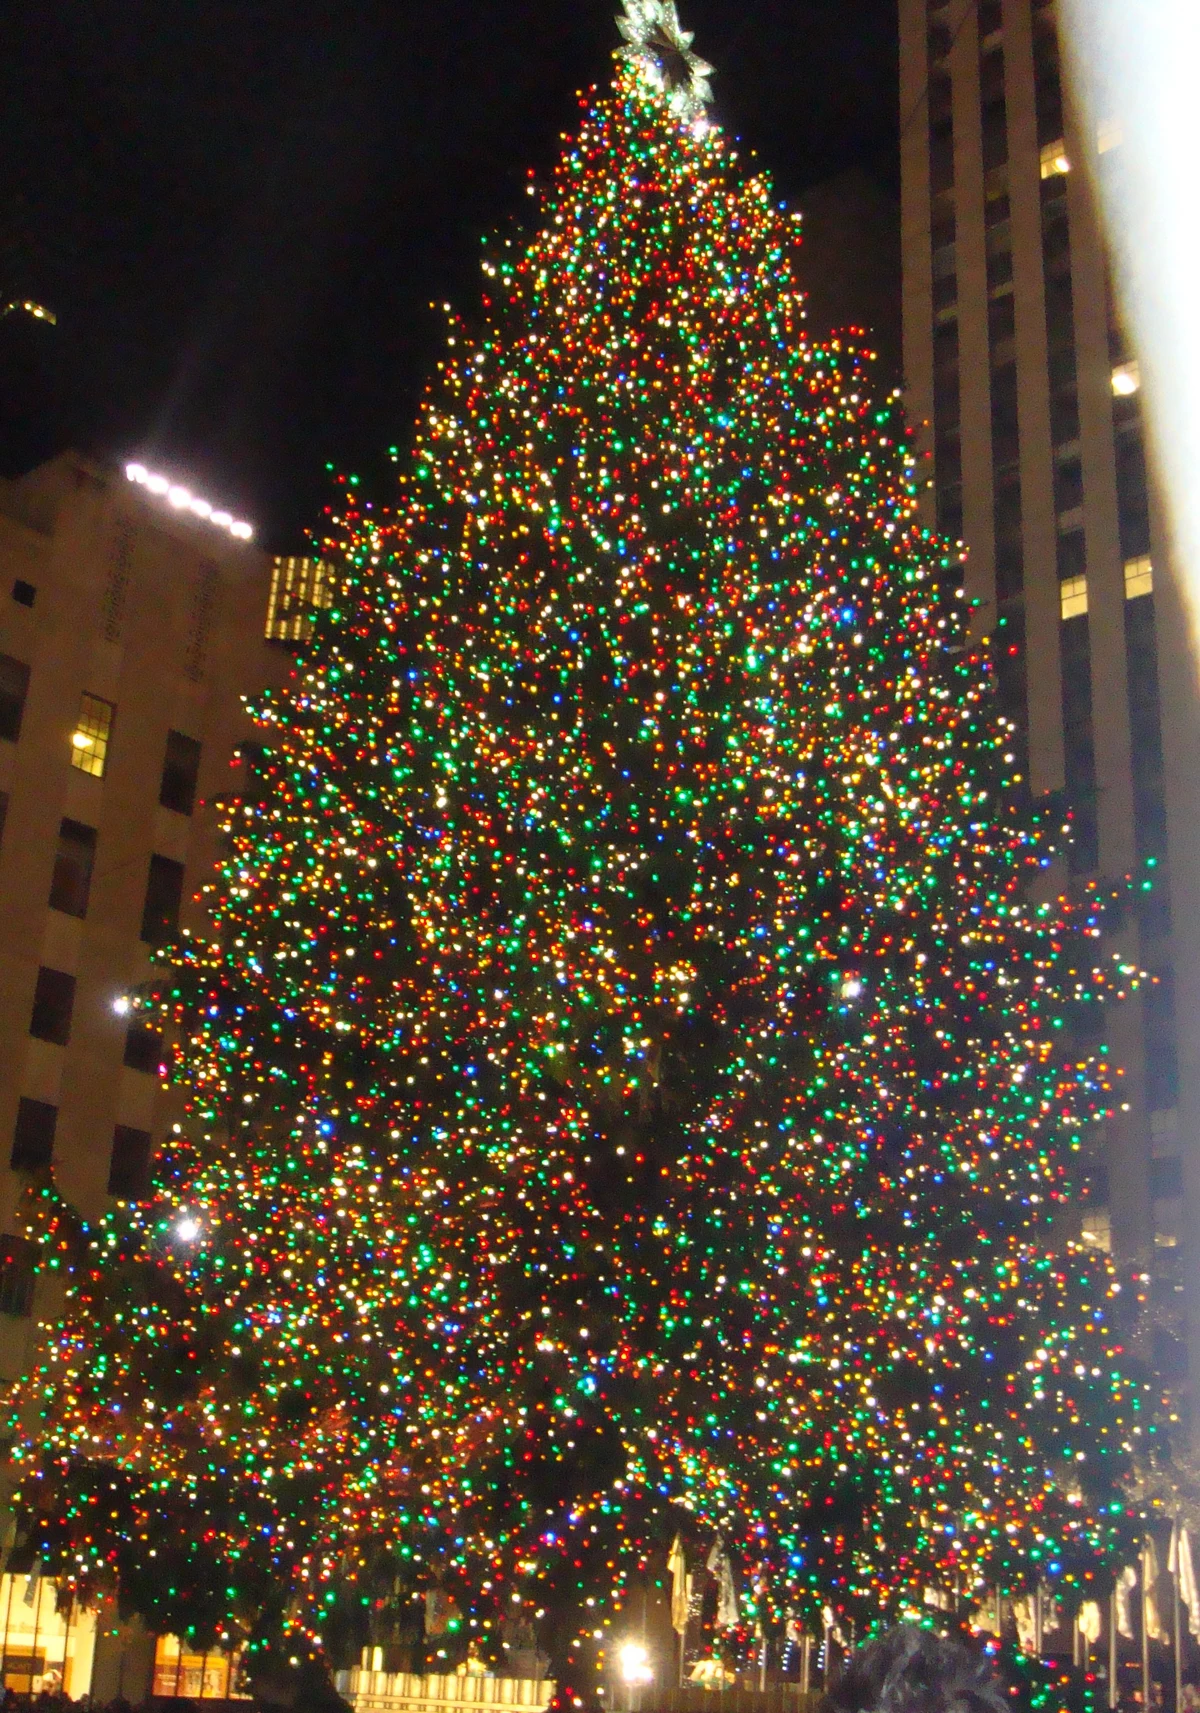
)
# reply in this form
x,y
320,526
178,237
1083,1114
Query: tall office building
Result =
x,y
131,625
1025,394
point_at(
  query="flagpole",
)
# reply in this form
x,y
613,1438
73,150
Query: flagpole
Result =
x,y
1175,1616
1145,1631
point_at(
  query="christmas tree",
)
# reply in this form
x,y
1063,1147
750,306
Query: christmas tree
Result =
x,y
638,1076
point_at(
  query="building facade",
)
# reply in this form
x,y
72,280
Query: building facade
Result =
x,y
1024,394
130,630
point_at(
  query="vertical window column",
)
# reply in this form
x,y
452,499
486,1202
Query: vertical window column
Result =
x,y
947,448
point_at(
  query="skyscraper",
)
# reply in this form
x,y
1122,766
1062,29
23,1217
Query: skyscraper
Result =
x,y
131,626
1025,392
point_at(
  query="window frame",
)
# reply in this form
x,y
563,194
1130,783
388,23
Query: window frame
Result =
x,y
91,738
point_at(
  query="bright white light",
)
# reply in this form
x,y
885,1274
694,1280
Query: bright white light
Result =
x,y
851,988
121,1005
635,1663
1126,380
184,500
81,740
1133,70
188,1229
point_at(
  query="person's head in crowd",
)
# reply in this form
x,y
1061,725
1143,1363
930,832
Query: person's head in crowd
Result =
x,y
911,1670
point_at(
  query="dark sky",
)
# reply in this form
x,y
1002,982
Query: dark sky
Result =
x,y
241,209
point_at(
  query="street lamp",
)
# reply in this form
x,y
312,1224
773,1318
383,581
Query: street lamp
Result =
x,y
633,1660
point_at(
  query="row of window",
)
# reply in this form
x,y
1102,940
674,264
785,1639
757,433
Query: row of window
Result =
x,y
74,868
91,739
71,883
33,1148
1073,590
53,1013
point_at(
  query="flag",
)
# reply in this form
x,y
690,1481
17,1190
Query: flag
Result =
x,y
680,1587
729,1613
1090,1622
1126,1583
1022,1611
1183,1569
1152,1617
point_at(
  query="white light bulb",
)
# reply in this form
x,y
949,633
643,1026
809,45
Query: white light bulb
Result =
x,y
121,1005
187,1229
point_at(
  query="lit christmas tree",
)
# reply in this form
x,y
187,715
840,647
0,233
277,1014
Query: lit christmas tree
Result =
x,y
637,1072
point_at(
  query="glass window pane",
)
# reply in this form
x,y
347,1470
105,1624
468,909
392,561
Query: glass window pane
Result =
x,y
14,687
72,881
92,735
181,769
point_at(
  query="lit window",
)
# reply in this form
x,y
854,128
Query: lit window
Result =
x,y
1126,379
1108,135
1073,594
1139,577
1096,1229
1054,159
90,739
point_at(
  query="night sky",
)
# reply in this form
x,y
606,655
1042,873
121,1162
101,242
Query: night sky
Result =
x,y
241,210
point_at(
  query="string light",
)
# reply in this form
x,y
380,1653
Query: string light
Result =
x,y
183,500
633,1085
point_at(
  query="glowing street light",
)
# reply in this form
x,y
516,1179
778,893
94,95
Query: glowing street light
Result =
x,y
634,1661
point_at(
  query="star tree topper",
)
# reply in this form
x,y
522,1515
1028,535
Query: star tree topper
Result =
x,y
663,54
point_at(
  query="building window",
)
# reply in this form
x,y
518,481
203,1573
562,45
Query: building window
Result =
x,y
33,1135
164,894
993,115
23,593
1054,160
1145,730
1126,379
143,1046
1079,752
1096,1229
1068,485
1006,443
300,589
90,739
1139,577
1166,1179
129,1163
14,687
1070,552
53,1003
1162,1069
1073,596
17,1273
941,148
253,760
181,769
73,864
1170,1354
